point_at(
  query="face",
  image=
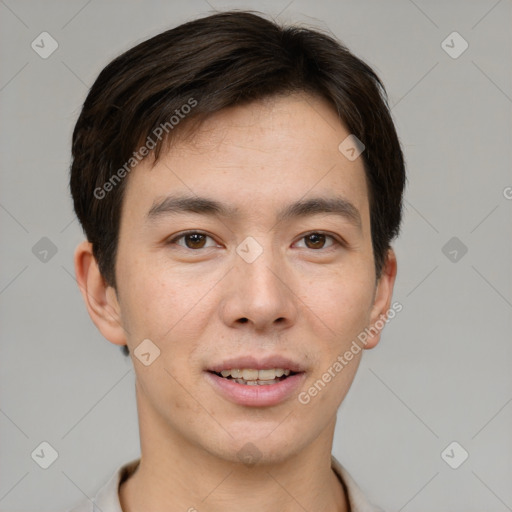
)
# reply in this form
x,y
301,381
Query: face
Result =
x,y
248,247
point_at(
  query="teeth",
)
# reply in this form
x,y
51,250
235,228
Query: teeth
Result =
x,y
253,376
250,374
256,382
269,374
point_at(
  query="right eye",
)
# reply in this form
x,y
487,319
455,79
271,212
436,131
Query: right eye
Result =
x,y
191,240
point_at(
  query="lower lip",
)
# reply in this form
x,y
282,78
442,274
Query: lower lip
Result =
x,y
259,395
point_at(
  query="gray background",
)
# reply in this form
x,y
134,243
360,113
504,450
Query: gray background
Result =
x,y
442,370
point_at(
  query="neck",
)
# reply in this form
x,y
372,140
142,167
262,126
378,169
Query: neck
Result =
x,y
175,475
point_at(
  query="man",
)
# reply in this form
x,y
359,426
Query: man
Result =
x,y
239,184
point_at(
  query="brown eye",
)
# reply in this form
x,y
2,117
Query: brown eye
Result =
x,y
318,241
195,241
315,241
192,240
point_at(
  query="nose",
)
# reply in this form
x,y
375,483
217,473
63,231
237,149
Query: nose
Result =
x,y
260,294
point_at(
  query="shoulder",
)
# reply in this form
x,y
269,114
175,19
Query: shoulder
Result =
x,y
107,498
356,498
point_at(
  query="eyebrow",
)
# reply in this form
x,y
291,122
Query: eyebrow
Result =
x,y
304,207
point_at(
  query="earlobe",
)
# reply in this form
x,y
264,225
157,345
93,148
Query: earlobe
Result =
x,y
382,300
100,298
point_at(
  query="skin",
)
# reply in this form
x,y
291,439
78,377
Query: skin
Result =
x,y
299,299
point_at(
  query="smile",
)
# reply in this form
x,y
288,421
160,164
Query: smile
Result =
x,y
254,377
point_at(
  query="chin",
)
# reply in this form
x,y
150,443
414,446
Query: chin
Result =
x,y
255,445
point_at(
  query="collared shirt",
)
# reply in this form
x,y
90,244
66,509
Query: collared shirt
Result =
x,y
107,498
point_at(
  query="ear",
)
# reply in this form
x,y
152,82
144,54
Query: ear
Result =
x,y
100,298
382,300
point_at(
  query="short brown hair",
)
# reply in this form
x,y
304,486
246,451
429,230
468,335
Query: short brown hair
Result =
x,y
218,61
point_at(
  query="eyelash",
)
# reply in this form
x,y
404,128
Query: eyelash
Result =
x,y
187,233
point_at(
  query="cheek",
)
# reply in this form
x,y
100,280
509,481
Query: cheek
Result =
x,y
167,306
163,391
148,294
341,302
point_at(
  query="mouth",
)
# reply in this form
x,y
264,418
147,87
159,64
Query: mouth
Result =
x,y
255,377
255,382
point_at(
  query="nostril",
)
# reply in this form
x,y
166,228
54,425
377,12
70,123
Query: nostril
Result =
x,y
243,320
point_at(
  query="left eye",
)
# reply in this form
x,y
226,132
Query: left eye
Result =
x,y
318,240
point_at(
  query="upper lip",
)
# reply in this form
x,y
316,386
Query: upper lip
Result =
x,y
254,363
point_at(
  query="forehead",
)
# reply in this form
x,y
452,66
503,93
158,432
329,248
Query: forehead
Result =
x,y
256,156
